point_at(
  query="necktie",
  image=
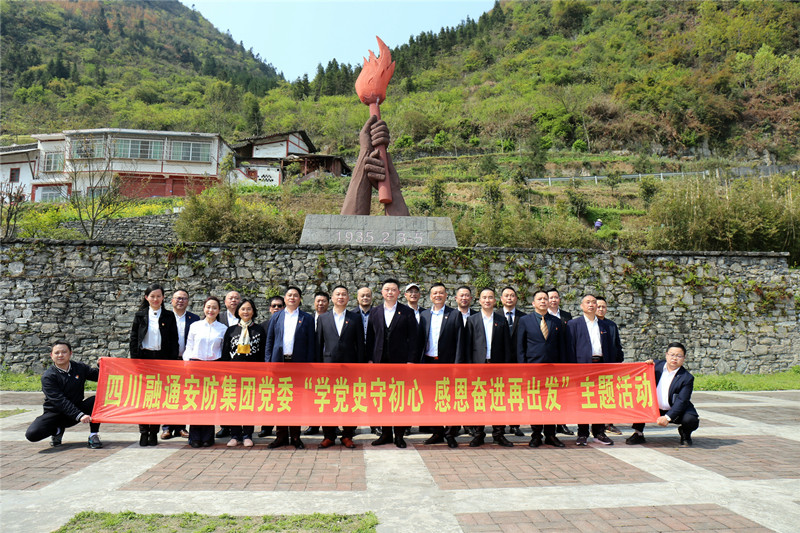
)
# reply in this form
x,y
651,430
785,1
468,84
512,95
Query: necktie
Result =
x,y
510,319
543,327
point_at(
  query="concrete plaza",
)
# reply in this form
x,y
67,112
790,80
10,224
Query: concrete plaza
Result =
x,y
742,474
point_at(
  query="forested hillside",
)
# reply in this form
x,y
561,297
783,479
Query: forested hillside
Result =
x,y
672,78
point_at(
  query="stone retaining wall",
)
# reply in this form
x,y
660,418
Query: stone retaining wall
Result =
x,y
151,228
733,311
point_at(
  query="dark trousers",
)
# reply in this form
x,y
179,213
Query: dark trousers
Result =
x,y
597,429
48,422
148,428
549,431
399,431
450,431
173,429
497,431
241,432
688,421
283,432
201,433
329,432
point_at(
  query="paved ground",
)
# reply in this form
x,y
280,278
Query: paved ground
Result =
x,y
743,474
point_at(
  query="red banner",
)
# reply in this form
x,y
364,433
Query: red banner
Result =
x,y
136,391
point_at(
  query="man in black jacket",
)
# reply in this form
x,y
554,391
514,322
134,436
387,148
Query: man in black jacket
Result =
x,y
64,405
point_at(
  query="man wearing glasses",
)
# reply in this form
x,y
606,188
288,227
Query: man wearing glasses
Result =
x,y
674,386
276,303
183,319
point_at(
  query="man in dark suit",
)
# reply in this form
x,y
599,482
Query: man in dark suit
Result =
x,y
413,296
554,308
364,301
442,327
541,339
487,340
464,301
339,340
228,315
391,338
322,301
510,313
589,342
276,303
674,386
613,331
183,319
290,339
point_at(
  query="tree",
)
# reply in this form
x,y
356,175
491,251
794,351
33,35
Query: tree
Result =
x,y
96,190
11,199
613,180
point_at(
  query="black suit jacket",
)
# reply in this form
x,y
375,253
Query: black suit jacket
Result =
x,y
166,326
512,331
566,316
580,345
475,341
345,348
680,391
449,344
532,347
613,331
401,344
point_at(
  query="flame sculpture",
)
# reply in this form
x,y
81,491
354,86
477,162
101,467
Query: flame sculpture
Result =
x,y
371,89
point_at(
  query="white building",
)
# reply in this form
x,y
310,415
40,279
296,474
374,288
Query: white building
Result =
x,y
18,164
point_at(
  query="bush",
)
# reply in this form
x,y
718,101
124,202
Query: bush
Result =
x,y
219,214
579,146
488,166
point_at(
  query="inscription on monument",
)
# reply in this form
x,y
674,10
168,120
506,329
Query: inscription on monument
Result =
x,y
362,230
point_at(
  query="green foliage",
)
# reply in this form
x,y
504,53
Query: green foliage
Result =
x,y
734,381
220,214
487,166
493,195
578,202
436,191
579,146
648,188
700,213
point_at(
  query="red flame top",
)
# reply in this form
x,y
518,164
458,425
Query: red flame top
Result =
x,y
375,75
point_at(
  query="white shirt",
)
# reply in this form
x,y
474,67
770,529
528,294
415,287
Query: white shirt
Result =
x,y
464,316
662,389
433,335
181,322
338,319
152,339
204,341
488,329
556,314
594,335
388,313
232,320
416,313
513,314
289,329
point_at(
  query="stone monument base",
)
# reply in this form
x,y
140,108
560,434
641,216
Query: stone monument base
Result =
x,y
363,230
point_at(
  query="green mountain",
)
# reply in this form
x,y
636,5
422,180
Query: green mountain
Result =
x,y
674,78
137,63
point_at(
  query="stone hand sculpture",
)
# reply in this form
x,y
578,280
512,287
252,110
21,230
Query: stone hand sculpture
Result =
x,y
370,172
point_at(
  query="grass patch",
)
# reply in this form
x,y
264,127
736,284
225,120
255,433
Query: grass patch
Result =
x,y
788,380
11,412
28,382
192,522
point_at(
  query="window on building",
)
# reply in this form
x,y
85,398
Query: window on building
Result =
x,y
138,149
88,148
53,193
97,192
54,162
191,151
13,176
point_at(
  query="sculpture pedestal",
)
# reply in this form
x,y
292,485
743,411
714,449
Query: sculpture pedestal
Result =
x,y
363,230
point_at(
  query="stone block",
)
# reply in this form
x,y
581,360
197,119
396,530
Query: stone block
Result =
x,y
357,230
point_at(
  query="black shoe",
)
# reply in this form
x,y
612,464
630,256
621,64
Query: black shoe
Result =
x,y
338,432
94,442
152,438
535,442
383,439
476,441
313,430
602,438
143,439
223,432
686,438
55,440
298,444
502,441
265,432
580,441
399,442
636,438
472,432
375,430
518,432
451,442
195,444
553,441
611,428
434,439
208,443
277,443
564,430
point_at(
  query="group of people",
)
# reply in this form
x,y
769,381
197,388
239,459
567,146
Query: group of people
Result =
x,y
392,332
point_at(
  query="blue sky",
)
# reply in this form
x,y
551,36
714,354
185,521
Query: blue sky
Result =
x,y
296,35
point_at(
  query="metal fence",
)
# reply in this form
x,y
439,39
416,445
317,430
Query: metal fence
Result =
x,y
736,172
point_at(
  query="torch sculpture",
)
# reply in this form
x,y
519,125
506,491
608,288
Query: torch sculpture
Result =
x,y
371,89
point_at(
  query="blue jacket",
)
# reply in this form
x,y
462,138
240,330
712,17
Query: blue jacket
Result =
x,y
305,346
